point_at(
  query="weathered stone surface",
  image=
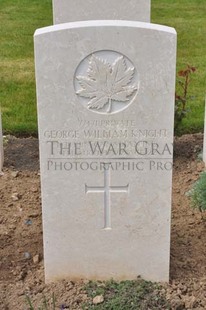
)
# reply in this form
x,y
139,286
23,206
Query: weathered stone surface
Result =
x,y
65,11
105,110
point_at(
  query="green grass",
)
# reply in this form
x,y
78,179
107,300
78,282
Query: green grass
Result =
x,y
20,18
45,304
18,21
198,193
126,295
188,18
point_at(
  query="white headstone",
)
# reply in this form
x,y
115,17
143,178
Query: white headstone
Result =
x,y
1,146
79,10
105,94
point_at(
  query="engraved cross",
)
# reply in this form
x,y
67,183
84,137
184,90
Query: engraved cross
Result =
x,y
107,189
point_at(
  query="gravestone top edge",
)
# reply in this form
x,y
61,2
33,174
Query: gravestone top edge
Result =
x,y
104,23
70,11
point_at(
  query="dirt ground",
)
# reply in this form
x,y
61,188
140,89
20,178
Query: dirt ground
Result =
x,y
21,249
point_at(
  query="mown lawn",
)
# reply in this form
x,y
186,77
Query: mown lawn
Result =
x,y
188,17
20,18
18,21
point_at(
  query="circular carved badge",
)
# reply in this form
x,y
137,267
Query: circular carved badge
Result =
x,y
106,82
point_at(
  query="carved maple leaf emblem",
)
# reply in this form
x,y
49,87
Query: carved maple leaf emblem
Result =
x,y
106,82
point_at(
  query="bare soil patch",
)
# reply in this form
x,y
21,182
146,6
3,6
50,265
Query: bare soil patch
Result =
x,y
21,246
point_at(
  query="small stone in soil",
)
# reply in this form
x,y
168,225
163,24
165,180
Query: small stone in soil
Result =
x,y
27,255
15,196
34,189
98,300
19,207
36,259
33,215
14,174
28,222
